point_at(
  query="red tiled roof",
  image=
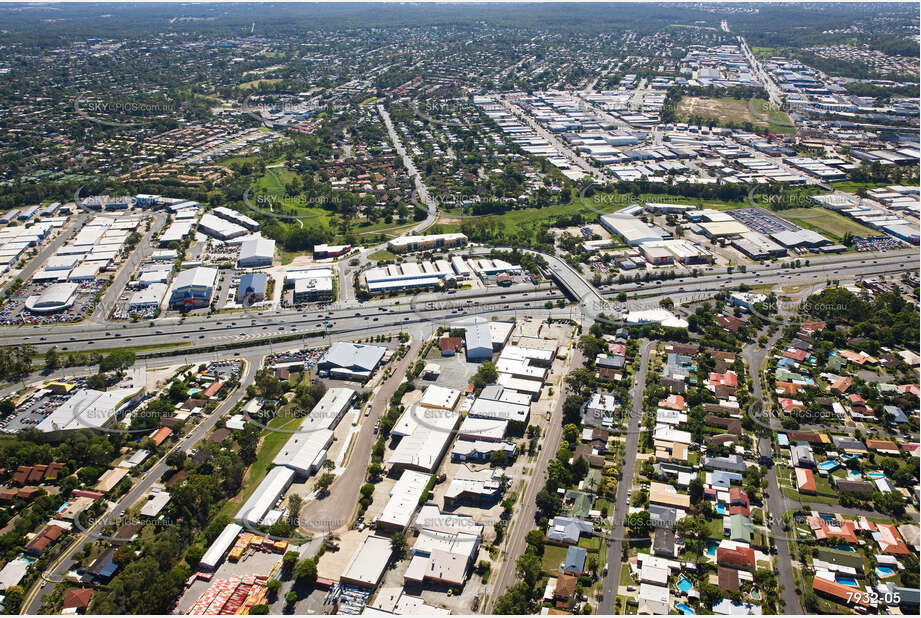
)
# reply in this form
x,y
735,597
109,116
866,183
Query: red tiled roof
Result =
x,y
160,435
740,556
212,390
77,598
848,594
805,480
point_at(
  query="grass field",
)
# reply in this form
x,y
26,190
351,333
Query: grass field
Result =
x,y
728,110
553,557
272,441
826,222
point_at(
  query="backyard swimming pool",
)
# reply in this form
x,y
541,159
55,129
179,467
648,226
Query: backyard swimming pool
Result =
x,y
684,584
828,465
884,571
711,548
720,508
684,609
845,581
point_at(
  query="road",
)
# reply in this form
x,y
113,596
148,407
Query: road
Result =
x,y
49,249
523,520
622,504
141,252
421,190
754,356
340,503
34,597
237,328
565,150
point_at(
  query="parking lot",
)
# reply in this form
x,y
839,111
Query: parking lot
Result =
x,y
35,409
14,310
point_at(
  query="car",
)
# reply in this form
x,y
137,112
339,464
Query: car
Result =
x,y
375,319
201,336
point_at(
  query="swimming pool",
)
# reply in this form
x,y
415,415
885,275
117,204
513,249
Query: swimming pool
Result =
x,y
684,609
711,548
845,581
684,584
828,465
876,475
884,571
853,474
720,508
844,547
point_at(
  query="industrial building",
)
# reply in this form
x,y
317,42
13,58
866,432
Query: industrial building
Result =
x,y
219,228
424,439
757,246
408,244
231,215
368,563
193,288
409,275
256,252
310,284
252,288
350,361
265,497
90,408
631,229
324,251
219,548
56,297
305,450
403,502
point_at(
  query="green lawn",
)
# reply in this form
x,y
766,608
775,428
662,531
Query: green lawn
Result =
x,y
272,441
553,557
826,222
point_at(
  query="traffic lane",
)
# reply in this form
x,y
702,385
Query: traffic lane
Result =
x,y
271,325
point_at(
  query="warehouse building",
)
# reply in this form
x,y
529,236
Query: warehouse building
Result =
x,y
800,238
324,251
193,288
148,297
408,244
424,438
252,288
237,218
403,502
350,361
757,246
265,497
631,229
90,408
219,228
305,452
368,563
56,297
219,548
409,275
313,290
256,252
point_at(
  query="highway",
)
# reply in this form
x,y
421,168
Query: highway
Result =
x,y
349,319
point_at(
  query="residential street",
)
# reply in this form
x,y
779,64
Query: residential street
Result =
x,y
622,504
33,599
